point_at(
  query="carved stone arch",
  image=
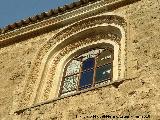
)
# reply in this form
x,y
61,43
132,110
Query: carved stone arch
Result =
x,y
81,47
100,29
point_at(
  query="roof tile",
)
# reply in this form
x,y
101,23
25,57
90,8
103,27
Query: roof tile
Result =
x,y
44,15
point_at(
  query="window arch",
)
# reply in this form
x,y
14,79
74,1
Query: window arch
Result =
x,y
45,77
89,69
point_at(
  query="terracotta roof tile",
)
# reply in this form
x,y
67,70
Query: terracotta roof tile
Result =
x,y
45,15
20,23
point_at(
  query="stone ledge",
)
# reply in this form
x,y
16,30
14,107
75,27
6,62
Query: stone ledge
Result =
x,y
46,15
55,22
113,83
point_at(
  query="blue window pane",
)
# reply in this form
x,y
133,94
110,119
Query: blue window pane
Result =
x,y
87,64
86,79
103,73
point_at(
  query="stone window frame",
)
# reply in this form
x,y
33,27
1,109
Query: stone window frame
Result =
x,y
93,84
105,43
42,92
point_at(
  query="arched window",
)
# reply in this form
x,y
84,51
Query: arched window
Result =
x,y
92,68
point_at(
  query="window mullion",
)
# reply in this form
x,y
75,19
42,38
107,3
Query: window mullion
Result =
x,y
94,74
80,72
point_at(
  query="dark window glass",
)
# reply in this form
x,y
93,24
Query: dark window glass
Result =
x,y
86,79
105,57
103,73
88,64
89,69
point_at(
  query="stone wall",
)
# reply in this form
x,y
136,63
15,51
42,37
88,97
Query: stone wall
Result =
x,y
138,95
15,63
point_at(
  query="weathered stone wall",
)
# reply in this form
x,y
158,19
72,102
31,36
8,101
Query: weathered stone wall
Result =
x,y
139,95
15,63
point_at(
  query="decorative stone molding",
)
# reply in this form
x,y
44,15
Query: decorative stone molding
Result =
x,y
80,44
51,21
35,76
66,18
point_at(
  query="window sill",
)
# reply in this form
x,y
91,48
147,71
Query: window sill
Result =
x,y
115,84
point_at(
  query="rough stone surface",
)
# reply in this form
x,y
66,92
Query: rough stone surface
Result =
x,y
139,95
15,63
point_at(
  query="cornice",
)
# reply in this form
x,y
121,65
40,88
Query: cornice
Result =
x,y
64,19
46,15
